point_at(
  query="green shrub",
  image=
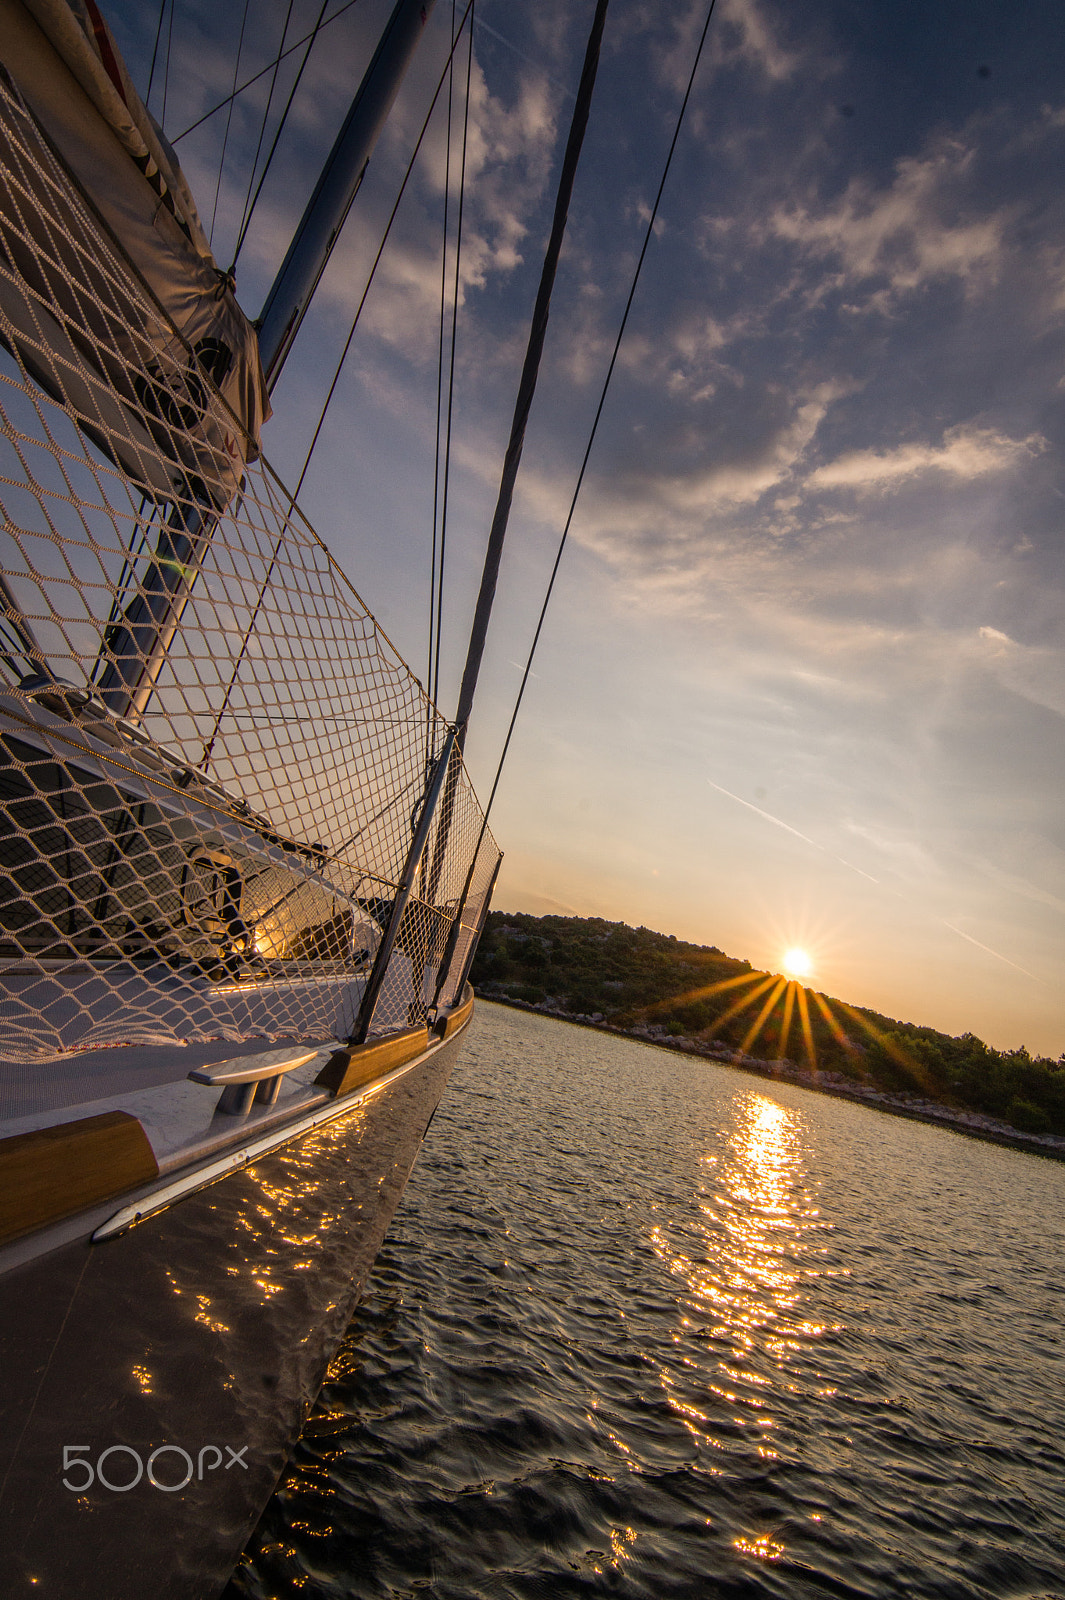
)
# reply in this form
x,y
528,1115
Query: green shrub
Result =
x,y
1028,1118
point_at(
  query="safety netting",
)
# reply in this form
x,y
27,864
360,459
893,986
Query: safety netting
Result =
x,y
213,763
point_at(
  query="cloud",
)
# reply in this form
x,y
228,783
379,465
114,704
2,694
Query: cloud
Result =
x,y
742,483
903,855
926,225
1020,885
750,36
1034,673
966,453
681,477
997,639
508,162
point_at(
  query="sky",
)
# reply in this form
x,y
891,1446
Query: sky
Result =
x,y
802,680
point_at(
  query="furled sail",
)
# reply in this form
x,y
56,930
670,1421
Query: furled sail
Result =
x,y
63,62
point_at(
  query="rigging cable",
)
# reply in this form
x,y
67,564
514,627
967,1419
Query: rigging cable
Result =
x,y
277,135
530,369
515,444
451,374
292,498
266,118
166,65
599,411
451,946
229,123
270,65
440,363
155,50
380,252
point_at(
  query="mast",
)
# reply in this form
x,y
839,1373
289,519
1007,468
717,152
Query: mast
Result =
x,y
512,459
337,186
530,371
137,641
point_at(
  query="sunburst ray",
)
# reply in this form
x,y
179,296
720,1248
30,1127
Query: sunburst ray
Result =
x,y
744,1001
703,992
807,1031
756,1026
785,1026
835,1026
894,1050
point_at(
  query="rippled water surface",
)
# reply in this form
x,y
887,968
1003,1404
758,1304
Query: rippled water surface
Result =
x,y
645,1326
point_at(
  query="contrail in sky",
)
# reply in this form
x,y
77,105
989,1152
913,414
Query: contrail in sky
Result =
x,y
989,950
767,815
480,23
859,870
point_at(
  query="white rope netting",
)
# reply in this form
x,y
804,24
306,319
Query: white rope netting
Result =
x,y
211,758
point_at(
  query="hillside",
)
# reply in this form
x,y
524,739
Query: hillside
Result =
x,y
659,987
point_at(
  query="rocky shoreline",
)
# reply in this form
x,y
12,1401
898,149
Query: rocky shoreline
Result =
x,y
973,1124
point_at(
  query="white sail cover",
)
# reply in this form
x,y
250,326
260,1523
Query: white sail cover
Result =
x,y
64,63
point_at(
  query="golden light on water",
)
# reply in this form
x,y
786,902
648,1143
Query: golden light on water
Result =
x,y
748,1252
765,1548
755,1215
748,1255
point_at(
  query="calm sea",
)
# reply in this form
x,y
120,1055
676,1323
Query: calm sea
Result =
x,y
645,1326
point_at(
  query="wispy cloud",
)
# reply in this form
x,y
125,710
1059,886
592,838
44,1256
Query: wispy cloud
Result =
x,y
930,222
965,453
751,35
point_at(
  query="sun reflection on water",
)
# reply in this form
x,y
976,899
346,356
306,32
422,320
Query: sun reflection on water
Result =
x,y
763,1548
621,1542
747,1253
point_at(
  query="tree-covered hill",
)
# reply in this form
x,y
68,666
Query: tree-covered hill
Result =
x,y
657,985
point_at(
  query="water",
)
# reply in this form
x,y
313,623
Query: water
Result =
x,y
645,1326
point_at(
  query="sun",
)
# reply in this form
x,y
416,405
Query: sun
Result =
x,y
797,963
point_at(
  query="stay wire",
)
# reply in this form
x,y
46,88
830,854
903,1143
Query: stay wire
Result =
x,y
523,400
269,67
530,371
209,743
440,361
451,374
155,50
277,135
380,253
266,118
166,64
599,411
229,123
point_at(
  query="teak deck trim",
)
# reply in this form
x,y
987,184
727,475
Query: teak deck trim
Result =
x,y
50,1173
347,1069
341,1106
458,1019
